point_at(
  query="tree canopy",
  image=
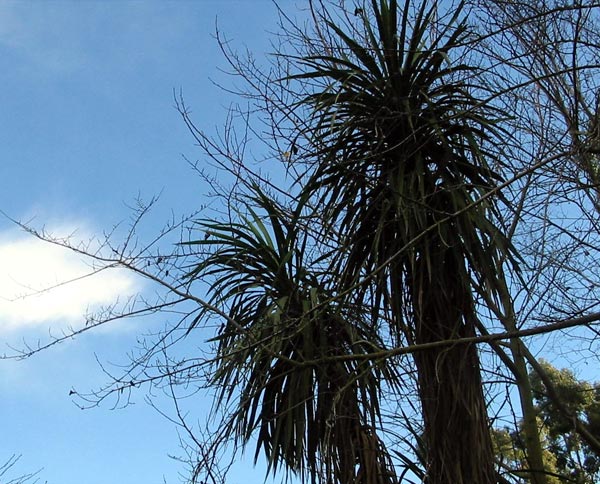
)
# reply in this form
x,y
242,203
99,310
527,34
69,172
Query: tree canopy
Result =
x,y
566,454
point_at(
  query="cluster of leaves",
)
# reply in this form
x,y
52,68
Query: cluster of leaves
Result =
x,y
568,458
290,351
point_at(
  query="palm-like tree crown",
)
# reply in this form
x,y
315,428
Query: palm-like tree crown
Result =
x,y
284,355
400,140
401,179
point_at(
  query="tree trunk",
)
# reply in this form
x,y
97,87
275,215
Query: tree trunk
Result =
x,y
457,435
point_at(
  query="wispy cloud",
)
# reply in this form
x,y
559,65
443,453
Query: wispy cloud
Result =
x,y
66,38
44,285
39,36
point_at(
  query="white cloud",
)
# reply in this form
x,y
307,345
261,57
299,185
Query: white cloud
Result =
x,y
44,285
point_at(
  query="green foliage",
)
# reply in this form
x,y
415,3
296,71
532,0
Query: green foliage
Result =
x,y
400,141
567,457
284,354
574,458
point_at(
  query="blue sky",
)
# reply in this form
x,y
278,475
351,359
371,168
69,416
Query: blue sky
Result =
x,y
87,123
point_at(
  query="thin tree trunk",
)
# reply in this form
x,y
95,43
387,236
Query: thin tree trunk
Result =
x,y
531,435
